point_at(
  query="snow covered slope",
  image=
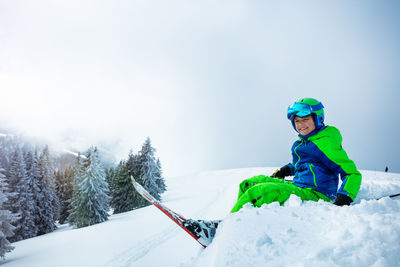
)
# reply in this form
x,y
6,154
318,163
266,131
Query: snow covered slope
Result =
x,y
299,234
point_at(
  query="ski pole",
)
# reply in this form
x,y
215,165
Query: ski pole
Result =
x,y
391,196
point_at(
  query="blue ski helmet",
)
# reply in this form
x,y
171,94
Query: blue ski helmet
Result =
x,y
305,107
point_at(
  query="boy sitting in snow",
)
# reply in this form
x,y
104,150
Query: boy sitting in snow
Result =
x,y
318,159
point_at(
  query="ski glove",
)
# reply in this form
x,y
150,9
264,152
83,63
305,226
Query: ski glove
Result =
x,y
342,200
282,172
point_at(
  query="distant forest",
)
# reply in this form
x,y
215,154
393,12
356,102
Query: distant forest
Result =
x,y
40,189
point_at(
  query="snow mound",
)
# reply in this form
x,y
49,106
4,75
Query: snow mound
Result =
x,y
308,234
366,233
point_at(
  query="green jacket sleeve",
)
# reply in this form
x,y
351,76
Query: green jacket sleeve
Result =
x,y
338,162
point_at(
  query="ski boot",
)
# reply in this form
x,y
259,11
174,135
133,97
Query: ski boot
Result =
x,y
203,230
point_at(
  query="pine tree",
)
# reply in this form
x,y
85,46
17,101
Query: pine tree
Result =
x,y
134,168
122,191
75,202
48,201
64,192
6,217
159,179
150,171
92,198
22,201
110,173
32,173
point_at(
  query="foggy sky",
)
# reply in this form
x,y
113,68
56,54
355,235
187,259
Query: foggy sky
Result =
x,y
208,81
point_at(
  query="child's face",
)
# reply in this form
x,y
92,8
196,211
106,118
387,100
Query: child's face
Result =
x,y
304,125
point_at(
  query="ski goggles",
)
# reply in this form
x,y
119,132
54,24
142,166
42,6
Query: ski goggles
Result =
x,y
302,109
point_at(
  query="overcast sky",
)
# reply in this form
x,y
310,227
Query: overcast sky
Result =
x,y
208,81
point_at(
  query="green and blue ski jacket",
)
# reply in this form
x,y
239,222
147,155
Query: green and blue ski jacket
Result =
x,y
319,159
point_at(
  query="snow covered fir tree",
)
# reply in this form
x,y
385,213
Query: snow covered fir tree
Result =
x,y
48,201
123,197
64,192
90,203
6,217
150,171
21,200
33,174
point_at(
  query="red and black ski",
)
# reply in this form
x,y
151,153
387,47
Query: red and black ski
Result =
x,y
192,227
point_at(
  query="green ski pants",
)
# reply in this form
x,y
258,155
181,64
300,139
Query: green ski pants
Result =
x,y
262,189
